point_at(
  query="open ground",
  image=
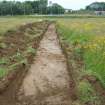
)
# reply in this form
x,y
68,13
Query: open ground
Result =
x,y
52,60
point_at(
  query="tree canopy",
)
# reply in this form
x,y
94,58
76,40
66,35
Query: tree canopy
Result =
x,y
96,6
29,7
20,8
56,9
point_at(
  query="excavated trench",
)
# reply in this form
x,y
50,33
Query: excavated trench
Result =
x,y
47,82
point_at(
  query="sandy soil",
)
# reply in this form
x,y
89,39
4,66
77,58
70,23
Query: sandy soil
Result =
x,y
47,81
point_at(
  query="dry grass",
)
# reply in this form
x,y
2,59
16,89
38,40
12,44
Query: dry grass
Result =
x,y
9,23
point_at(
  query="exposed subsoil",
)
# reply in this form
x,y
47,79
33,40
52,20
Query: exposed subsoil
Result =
x,y
47,81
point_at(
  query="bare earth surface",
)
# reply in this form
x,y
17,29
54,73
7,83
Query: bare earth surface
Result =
x,y
47,81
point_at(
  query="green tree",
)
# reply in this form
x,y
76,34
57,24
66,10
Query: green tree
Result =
x,y
96,6
43,6
55,9
35,6
29,7
6,8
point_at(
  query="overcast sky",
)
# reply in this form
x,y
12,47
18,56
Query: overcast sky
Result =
x,y
75,4
71,4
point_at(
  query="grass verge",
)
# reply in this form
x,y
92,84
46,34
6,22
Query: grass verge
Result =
x,y
85,39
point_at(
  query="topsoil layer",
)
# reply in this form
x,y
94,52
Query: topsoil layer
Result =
x,y
19,40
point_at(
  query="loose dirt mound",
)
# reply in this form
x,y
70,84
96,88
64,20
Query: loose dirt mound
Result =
x,y
18,46
19,39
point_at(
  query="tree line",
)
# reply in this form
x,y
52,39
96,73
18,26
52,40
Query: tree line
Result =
x,y
29,7
96,6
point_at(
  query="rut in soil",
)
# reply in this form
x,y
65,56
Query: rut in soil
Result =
x,y
47,81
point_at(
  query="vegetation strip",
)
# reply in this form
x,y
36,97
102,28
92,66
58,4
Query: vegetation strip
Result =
x,y
84,46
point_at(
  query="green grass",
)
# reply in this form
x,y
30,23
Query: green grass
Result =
x,y
87,94
3,72
13,22
87,38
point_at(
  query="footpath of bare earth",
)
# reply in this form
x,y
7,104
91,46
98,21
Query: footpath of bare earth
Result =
x,y
47,81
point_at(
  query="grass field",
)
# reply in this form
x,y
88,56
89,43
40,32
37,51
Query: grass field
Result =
x,y
10,23
87,36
